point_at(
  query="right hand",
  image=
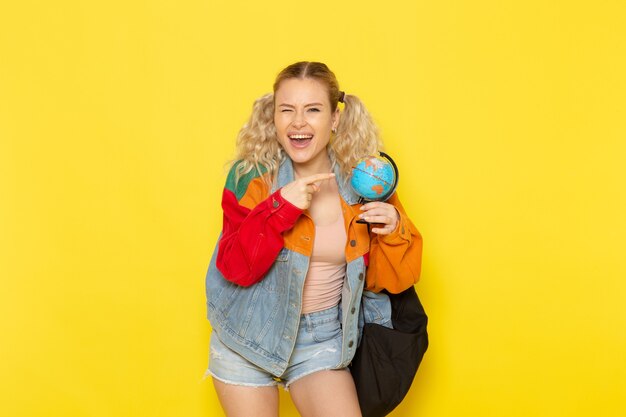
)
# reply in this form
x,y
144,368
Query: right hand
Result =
x,y
300,192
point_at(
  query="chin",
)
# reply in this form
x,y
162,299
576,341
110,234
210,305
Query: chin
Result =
x,y
298,158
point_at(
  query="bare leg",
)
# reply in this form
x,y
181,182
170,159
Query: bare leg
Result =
x,y
326,393
239,401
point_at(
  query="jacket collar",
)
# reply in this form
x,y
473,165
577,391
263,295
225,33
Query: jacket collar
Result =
x,y
286,175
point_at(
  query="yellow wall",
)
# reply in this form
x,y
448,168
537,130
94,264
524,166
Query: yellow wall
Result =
x,y
507,120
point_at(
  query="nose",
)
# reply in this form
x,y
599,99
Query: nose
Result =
x,y
298,119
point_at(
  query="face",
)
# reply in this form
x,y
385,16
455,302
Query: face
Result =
x,y
304,120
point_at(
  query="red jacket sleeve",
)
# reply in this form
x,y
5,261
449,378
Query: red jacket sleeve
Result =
x,y
252,238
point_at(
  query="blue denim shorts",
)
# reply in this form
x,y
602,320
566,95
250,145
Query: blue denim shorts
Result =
x,y
318,347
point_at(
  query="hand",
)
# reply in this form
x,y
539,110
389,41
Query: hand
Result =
x,y
382,213
300,192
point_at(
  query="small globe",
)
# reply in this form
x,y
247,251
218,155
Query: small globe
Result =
x,y
374,177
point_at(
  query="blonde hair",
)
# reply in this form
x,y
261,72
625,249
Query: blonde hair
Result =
x,y
258,147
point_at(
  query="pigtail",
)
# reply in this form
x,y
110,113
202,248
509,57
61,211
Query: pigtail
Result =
x,y
257,145
356,136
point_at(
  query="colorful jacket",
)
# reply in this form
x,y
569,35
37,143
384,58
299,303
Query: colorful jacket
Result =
x,y
256,275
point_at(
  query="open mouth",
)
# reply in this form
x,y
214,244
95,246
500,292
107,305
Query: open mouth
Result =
x,y
300,140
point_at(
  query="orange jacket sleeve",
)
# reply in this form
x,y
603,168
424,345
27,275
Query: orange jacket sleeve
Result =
x,y
395,259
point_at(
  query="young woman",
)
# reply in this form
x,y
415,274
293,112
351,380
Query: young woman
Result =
x,y
294,277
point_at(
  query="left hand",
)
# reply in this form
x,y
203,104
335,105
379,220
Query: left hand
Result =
x,y
384,214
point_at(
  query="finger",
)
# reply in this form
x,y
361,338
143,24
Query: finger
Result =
x,y
386,220
317,177
377,211
381,210
379,216
382,230
312,188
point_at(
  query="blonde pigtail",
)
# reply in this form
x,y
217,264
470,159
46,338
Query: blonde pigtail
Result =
x,y
257,145
356,137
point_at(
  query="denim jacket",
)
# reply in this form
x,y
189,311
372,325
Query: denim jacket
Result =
x,y
260,321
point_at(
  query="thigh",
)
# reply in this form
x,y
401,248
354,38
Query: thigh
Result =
x,y
242,401
326,393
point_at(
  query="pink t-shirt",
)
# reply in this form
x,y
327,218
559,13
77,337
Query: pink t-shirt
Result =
x,y
327,268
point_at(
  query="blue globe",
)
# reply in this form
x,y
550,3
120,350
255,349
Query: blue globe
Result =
x,y
374,177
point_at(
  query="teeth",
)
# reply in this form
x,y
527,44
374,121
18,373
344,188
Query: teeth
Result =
x,y
300,136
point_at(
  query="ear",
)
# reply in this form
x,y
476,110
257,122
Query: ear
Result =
x,y
335,118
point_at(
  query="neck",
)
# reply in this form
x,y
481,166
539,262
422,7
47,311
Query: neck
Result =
x,y
312,167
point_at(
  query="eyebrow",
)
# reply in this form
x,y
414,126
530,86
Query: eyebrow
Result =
x,y
306,105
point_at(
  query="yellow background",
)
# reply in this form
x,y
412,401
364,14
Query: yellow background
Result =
x,y
508,122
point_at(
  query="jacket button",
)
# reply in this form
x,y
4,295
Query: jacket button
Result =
x,y
275,204
351,343
353,310
353,243
361,276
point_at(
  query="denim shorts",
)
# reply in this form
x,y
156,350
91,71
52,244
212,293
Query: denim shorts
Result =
x,y
318,347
